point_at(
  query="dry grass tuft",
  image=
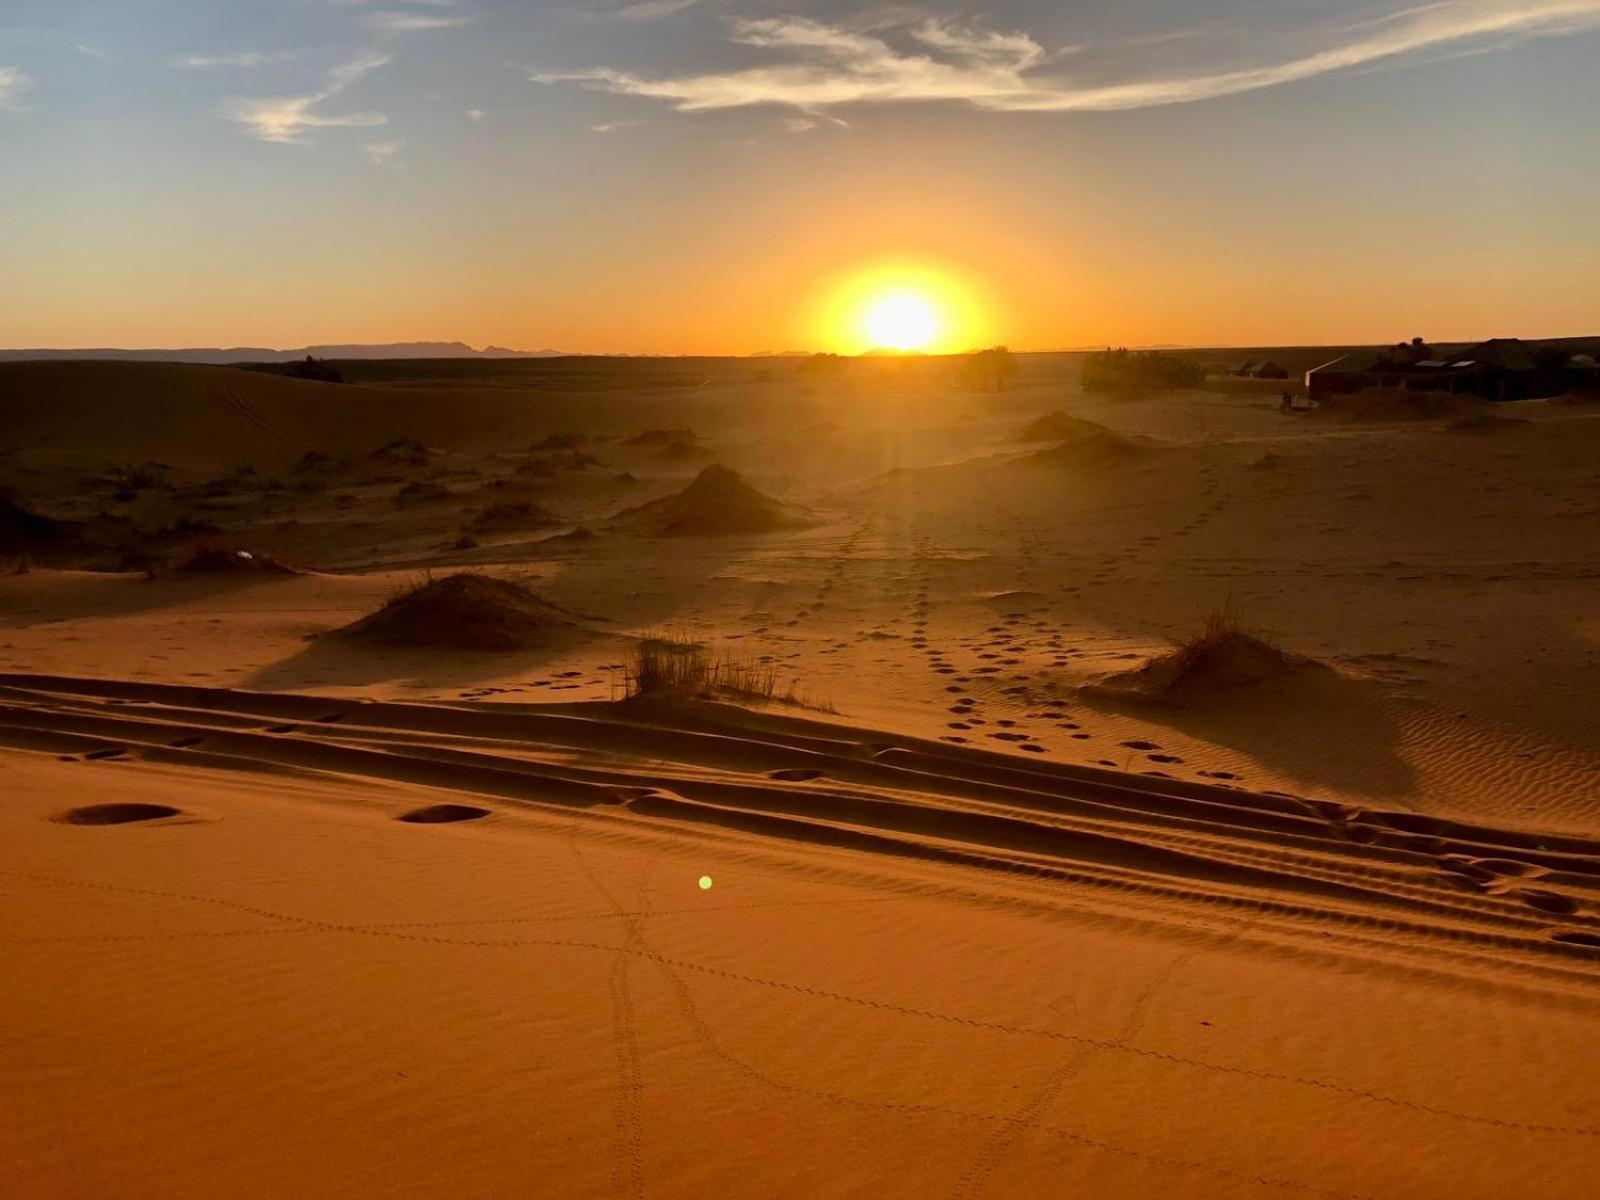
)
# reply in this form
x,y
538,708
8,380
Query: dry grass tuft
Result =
x,y
1226,649
669,665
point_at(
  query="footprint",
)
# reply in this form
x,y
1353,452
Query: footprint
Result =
x,y
116,814
443,814
1550,902
113,752
795,775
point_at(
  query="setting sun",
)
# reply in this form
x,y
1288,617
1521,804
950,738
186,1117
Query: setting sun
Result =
x,y
905,307
902,322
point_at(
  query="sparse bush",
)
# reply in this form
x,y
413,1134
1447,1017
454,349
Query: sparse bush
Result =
x,y
667,665
1134,370
316,370
988,370
822,364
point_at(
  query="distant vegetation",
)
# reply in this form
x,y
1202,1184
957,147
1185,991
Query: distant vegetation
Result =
x,y
1139,370
823,364
315,369
988,370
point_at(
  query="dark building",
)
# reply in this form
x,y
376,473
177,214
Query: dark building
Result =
x,y
1260,370
1499,369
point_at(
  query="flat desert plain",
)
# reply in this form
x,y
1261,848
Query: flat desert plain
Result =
x,y
1156,795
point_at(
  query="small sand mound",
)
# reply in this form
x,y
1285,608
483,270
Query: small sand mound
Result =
x,y
465,612
1223,657
681,451
1397,404
1089,445
512,516
660,437
1058,427
231,560
116,814
718,502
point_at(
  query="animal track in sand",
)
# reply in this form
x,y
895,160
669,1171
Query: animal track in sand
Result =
x,y
795,775
116,814
443,814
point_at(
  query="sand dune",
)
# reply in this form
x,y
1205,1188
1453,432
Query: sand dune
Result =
x,y
1030,896
571,837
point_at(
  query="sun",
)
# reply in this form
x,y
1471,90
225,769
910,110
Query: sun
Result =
x,y
901,306
902,321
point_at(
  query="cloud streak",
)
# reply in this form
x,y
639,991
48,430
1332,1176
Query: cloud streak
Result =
x,y
924,59
248,58
391,21
12,82
652,10
286,118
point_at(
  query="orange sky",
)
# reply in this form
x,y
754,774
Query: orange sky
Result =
x,y
446,176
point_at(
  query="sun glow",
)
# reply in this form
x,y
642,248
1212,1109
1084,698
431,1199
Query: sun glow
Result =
x,y
901,309
904,321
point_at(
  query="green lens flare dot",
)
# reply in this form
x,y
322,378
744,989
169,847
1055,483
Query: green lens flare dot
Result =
x,y
705,883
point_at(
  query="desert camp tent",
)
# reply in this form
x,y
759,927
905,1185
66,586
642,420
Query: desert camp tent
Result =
x,y
1499,369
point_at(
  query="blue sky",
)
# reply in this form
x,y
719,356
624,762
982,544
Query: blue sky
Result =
x,y
662,175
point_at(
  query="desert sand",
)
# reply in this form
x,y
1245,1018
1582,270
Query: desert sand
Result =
x,y
304,895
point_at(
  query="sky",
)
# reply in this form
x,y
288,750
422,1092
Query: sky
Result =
x,y
738,176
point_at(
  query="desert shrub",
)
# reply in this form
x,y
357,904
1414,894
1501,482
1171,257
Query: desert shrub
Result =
x,y
987,370
316,370
1134,370
822,364
669,665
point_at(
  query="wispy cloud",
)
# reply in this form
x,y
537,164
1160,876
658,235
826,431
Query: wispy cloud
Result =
x,y
395,21
650,10
909,59
12,82
381,153
285,118
247,58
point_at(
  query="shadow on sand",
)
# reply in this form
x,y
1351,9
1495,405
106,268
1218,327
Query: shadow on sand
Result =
x,y
1320,727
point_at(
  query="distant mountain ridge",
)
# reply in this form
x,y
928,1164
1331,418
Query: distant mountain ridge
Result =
x,y
257,354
